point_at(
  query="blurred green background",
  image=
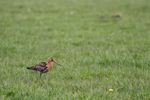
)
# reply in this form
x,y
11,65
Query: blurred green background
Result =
x,y
98,51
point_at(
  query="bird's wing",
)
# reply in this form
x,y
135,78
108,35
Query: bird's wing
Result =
x,y
42,64
38,67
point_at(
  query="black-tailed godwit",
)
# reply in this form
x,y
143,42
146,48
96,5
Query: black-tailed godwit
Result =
x,y
43,67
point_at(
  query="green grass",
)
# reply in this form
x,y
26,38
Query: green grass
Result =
x,y
97,54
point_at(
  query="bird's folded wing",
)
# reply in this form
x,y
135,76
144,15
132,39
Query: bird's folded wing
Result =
x,y
42,64
39,68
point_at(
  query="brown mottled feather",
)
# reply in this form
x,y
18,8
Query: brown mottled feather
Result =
x,y
39,67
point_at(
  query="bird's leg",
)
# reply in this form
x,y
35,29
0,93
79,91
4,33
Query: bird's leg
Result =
x,y
40,74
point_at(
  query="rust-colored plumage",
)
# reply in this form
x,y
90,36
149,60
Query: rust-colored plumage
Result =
x,y
43,67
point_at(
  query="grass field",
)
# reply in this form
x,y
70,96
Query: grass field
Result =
x,y
96,54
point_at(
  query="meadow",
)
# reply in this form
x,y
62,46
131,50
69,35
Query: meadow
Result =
x,y
96,53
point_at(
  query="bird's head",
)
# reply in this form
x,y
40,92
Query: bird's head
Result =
x,y
50,59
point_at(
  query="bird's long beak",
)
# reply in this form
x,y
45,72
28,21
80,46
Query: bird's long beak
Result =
x,y
57,63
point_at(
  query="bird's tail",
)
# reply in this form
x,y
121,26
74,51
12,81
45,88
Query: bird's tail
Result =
x,y
31,67
28,67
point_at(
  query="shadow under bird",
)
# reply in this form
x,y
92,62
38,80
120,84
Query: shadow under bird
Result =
x,y
43,67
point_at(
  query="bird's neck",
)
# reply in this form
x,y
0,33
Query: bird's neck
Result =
x,y
49,64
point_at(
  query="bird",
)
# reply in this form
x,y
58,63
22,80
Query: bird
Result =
x,y
118,15
43,67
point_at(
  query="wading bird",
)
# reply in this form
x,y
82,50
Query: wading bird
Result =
x,y
43,67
